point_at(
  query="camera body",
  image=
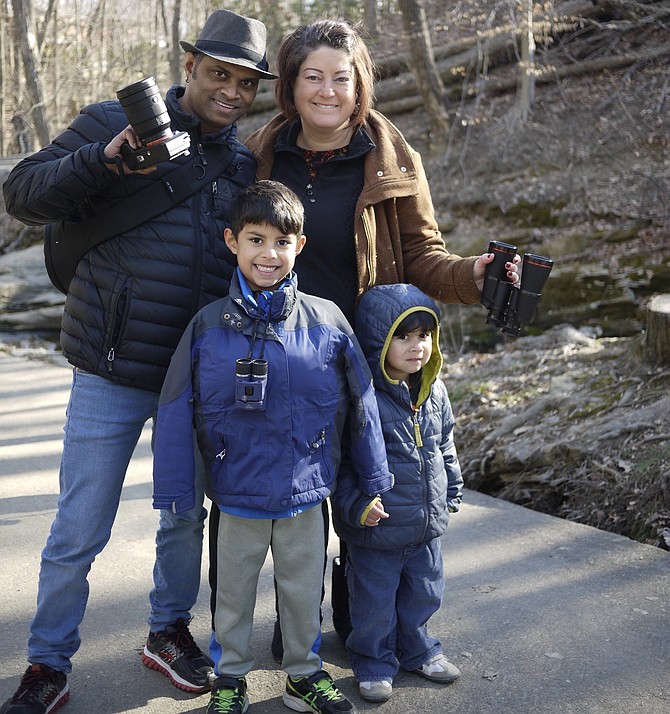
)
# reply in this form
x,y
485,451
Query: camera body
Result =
x,y
251,378
511,307
149,118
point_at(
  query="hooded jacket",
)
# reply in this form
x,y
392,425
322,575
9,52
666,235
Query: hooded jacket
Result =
x,y
419,438
134,294
286,455
397,239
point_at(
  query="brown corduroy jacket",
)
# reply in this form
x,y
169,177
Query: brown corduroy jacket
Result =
x,y
396,234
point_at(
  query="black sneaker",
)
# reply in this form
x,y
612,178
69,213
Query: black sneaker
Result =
x,y
175,654
42,690
229,696
316,694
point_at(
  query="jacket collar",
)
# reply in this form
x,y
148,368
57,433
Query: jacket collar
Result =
x,y
287,140
270,305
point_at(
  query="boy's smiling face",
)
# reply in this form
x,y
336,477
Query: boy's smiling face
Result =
x,y
264,254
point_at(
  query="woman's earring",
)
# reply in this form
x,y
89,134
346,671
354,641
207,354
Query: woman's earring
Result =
x,y
187,79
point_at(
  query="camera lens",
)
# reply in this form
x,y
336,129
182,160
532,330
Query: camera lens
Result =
x,y
146,110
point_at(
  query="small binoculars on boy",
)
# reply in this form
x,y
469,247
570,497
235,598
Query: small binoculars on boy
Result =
x,y
251,378
511,307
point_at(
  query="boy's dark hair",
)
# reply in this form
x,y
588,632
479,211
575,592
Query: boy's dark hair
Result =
x,y
418,320
268,202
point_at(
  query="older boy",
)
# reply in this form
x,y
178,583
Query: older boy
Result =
x,y
269,376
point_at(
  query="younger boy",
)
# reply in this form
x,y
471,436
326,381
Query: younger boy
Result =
x,y
394,561
268,377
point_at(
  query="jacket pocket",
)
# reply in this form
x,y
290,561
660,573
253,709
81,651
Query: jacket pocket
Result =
x,y
117,319
316,454
236,452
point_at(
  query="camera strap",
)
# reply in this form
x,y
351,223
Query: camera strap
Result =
x,y
65,243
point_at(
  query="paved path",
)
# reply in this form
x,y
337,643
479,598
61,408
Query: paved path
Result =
x,y
541,615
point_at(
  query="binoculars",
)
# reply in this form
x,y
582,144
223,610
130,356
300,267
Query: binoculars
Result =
x,y
251,378
511,307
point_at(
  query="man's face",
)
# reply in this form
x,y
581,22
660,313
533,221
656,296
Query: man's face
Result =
x,y
218,93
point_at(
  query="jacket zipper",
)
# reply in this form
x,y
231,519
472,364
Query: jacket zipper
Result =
x,y
117,328
417,429
197,242
419,443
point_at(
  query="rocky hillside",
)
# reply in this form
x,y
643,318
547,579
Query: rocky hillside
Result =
x,y
569,424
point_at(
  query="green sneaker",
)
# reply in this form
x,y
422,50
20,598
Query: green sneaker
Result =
x,y
229,696
316,694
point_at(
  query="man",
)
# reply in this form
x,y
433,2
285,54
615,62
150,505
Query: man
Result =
x,y
125,310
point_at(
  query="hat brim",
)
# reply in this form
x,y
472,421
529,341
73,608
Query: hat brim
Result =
x,y
188,47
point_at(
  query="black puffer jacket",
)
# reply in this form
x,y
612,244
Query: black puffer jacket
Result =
x,y
133,295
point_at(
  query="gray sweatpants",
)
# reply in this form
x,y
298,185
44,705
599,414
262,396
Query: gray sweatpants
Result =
x,y
297,545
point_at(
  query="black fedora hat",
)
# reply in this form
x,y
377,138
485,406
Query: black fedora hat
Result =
x,y
229,37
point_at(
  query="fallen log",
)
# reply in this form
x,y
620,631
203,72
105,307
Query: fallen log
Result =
x,y
544,76
453,59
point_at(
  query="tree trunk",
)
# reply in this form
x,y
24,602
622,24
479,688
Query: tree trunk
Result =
x,y
423,61
657,336
25,41
370,18
175,49
526,97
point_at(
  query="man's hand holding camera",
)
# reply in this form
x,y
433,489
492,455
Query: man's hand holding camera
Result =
x,y
113,157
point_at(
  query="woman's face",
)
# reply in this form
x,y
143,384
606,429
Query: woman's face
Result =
x,y
324,93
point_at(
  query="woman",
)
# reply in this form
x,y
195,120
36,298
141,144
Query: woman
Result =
x,y
369,217
369,213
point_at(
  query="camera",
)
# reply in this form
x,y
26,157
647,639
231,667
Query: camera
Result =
x,y
511,307
251,378
149,118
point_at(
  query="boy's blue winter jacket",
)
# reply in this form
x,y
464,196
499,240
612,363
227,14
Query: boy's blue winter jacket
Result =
x,y
287,455
428,482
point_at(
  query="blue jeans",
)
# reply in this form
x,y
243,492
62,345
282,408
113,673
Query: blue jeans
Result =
x,y
103,425
392,595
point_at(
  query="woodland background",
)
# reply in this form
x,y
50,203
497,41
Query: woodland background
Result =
x,y
543,124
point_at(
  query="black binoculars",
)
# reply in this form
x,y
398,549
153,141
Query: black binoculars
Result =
x,y
511,307
251,378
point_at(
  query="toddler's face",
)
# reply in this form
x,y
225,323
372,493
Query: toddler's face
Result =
x,y
408,353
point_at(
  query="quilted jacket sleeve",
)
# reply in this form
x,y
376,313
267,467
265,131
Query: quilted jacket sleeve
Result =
x,y
448,447
57,182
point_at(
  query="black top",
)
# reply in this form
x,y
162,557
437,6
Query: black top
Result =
x,y
328,183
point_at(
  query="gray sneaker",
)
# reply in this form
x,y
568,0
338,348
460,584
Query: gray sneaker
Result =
x,y
439,669
379,690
